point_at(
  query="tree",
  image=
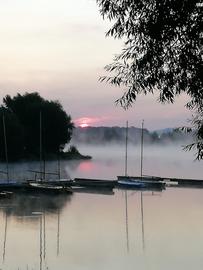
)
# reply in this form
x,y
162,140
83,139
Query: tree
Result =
x,y
196,130
162,50
11,135
56,125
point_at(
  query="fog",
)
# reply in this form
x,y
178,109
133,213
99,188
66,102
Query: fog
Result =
x,y
97,231
108,161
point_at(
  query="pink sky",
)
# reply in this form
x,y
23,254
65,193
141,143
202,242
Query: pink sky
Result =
x,y
59,49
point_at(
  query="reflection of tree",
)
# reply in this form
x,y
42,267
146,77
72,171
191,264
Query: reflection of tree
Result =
x,y
25,205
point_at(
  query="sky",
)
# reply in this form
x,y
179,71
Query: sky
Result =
x,y
59,49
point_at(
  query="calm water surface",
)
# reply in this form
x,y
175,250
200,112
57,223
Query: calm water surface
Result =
x,y
117,230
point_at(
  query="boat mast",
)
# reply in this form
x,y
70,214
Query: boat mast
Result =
x,y
142,139
59,166
40,144
126,149
6,148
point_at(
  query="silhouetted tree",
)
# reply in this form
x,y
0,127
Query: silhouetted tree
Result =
x,y
197,131
12,131
56,125
162,50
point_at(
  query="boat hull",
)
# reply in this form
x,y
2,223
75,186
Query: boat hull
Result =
x,y
131,184
48,189
140,182
85,182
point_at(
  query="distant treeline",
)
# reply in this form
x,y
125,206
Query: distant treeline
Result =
x,y
105,135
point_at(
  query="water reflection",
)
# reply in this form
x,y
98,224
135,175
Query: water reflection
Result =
x,y
40,245
23,205
119,229
142,218
129,194
88,232
31,210
126,218
5,236
58,234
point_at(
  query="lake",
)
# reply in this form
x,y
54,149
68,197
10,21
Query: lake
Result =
x,y
123,229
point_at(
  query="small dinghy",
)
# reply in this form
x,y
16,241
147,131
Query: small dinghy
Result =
x,y
46,188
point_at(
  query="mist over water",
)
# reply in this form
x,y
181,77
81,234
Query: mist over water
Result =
x,y
118,230
167,161
108,161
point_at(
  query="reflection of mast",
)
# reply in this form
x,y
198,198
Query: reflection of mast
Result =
x,y
5,237
44,231
142,217
126,220
42,238
58,233
40,243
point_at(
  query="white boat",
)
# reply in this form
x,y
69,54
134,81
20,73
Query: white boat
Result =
x,y
46,188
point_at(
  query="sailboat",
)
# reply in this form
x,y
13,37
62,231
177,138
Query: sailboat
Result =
x,y
141,181
41,185
126,181
7,184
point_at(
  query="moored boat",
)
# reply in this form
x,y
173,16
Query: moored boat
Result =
x,y
93,190
11,185
88,182
137,181
57,182
46,188
129,183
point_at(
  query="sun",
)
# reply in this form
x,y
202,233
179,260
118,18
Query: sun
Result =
x,y
83,122
84,125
